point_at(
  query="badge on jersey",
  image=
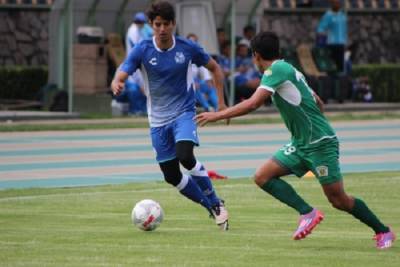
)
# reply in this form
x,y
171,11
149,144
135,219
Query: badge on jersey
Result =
x,y
322,171
268,72
179,58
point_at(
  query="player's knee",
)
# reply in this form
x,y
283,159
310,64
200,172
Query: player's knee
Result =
x,y
260,179
185,155
187,161
173,180
172,173
340,202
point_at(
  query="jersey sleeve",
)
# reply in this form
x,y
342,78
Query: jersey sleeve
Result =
x,y
273,77
199,56
133,60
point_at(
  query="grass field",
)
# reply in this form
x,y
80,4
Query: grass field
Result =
x,y
90,226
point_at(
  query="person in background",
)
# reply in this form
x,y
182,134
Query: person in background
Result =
x,y
221,38
333,30
138,31
247,78
133,95
248,33
206,95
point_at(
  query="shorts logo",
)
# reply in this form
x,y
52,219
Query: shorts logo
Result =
x,y
179,57
322,171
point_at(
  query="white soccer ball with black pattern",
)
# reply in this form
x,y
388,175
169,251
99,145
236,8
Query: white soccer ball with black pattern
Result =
x,y
147,215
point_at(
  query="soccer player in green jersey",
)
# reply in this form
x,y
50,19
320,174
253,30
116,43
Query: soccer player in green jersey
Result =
x,y
314,145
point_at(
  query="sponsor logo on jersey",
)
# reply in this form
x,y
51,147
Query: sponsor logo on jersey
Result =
x,y
153,61
322,171
179,58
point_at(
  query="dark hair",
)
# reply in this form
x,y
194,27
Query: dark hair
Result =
x,y
163,9
249,28
266,44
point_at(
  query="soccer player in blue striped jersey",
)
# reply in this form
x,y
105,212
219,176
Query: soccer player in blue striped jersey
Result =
x,y
166,64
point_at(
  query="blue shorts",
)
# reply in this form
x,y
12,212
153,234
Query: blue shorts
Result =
x,y
164,138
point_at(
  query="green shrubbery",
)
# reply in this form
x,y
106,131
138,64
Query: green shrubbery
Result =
x,y
22,82
384,80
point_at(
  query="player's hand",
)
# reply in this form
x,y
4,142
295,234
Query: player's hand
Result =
x,y
117,87
206,117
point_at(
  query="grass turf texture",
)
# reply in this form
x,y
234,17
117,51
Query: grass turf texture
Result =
x,y
90,226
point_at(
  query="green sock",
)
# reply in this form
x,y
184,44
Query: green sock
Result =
x,y
365,215
285,193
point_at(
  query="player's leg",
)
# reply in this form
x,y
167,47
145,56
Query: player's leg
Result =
x,y
164,146
284,162
326,168
185,155
184,183
185,132
341,200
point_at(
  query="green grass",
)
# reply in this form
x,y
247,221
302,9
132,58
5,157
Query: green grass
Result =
x,y
90,226
142,122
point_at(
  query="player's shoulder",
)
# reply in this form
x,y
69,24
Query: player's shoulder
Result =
x,y
146,43
279,67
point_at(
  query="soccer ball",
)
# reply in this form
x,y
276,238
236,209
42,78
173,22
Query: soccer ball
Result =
x,y
147,215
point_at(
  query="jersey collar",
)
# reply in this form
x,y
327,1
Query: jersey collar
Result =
x,y
160,50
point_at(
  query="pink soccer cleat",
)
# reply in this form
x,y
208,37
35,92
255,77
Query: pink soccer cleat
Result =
x,y
307,223
384,240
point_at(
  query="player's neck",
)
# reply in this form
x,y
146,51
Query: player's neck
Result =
x,y
165,44
266,64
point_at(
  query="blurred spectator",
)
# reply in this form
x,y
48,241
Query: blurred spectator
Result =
x,y
247,78
304,3
138,31
221,37
206,95
333,26
362,90
248,33
224,60
132,100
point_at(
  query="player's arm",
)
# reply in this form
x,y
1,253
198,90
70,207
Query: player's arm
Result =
x,y
128,67
118,83
319,102
244,107
218,79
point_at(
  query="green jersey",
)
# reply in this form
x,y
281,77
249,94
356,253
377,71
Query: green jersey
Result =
x,y
295,101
